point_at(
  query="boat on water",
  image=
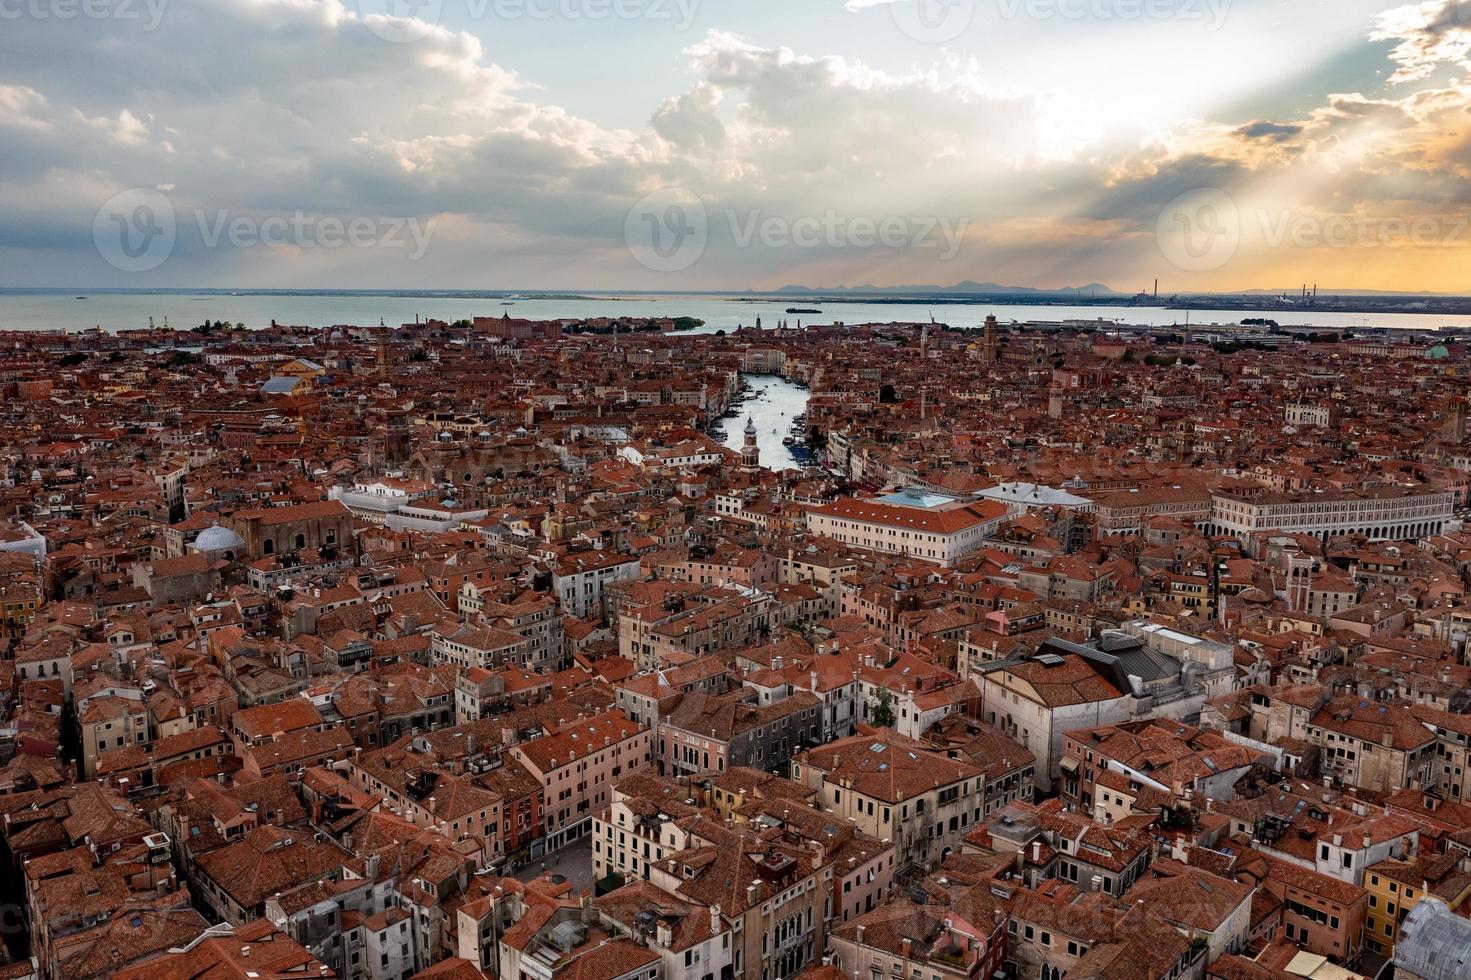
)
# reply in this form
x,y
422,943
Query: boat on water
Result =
x,y
81,297
798,309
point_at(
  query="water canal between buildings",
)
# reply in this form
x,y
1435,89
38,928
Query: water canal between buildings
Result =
x,y
772,404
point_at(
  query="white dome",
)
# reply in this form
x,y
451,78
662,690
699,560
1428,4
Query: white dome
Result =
x,y
216,538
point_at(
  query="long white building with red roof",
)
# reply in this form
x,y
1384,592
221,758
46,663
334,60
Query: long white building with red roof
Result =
x,y
930,526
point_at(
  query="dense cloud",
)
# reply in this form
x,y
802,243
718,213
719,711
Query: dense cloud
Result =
x,y
273,107
1427,34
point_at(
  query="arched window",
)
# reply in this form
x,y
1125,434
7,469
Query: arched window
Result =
x,y
300,541
269,547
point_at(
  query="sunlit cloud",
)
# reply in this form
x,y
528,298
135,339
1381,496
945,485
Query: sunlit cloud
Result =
x,y
1056,181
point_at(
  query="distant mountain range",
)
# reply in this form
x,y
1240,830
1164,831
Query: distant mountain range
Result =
x,y
967,288
1322,292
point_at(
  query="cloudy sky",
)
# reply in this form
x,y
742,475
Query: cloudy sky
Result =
x,y
735,144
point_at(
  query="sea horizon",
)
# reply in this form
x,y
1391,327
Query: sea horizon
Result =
x,y
120,308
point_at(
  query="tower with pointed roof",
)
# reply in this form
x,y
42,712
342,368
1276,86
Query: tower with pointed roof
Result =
x,y
750,452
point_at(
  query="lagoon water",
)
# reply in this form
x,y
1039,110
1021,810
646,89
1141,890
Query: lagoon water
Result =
x,y
54,310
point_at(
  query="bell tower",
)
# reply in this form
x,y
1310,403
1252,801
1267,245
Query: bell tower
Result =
x,y
1454,427
750,452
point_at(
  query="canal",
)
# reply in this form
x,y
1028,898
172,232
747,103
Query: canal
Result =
x,y
773,403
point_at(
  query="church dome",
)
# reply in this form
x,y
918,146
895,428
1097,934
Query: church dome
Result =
x,y
216,538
